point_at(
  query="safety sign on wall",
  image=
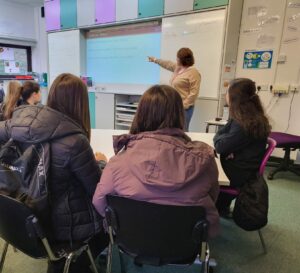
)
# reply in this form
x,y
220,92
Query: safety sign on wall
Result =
x,y
258,59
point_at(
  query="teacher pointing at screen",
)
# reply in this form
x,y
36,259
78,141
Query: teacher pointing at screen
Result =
x,y
186,79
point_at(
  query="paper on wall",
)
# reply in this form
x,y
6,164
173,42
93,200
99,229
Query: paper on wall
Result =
x,y
250,31
257,11
290,40
295,5
265,40
269,21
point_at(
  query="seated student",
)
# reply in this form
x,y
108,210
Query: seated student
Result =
x,y
242,141
11,100
65,124
157,162
31,94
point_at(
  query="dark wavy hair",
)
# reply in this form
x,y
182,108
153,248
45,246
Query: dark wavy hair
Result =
x,y
160,107
245,107
186,56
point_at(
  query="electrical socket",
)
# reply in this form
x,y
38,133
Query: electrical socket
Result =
x,y
263,87
280,89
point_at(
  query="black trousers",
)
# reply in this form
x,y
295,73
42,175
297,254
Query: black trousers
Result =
x,y
82,265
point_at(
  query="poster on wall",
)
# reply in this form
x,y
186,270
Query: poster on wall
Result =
x,y
258,59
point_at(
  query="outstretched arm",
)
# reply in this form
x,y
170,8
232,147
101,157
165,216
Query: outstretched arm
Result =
x,y
171,66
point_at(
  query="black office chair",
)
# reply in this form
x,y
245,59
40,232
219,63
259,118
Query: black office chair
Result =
x,y
20,228
156,234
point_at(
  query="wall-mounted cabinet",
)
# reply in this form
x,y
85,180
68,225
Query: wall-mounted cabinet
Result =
x,y
68,14
105,11
203,4
174,6
150,8
86,12
126,10
52,14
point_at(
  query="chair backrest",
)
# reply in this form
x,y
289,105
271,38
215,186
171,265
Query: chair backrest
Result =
x,y
16,227
157,234
271,146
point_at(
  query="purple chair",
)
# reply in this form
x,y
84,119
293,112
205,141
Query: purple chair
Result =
x,y
288,143
235,192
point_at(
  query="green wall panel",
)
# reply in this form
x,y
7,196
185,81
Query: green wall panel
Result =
x,y
92,106
149,8
68,14
203,4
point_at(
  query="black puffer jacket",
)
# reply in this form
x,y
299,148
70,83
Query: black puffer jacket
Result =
x,y
74,171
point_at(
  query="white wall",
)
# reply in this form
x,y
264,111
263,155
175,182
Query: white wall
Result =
x,y
40,49
251,37
22,24
16,21
283,111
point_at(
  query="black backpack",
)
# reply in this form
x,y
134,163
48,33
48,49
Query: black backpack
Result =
x,y
252,204
24,174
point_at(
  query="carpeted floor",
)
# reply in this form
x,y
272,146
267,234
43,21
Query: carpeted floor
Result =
x,y
235,250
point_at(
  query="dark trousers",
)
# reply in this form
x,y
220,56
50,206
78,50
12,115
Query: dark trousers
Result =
x,y
82,265
223,202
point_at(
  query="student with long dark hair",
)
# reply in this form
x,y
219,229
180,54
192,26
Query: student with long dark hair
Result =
x,y
74,172
11,100
242,141
157,162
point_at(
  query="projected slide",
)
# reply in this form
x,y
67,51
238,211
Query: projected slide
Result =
x,y
123,59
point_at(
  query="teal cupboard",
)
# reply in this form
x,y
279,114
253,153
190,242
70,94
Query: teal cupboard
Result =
x,y
203,4
150,8
68,14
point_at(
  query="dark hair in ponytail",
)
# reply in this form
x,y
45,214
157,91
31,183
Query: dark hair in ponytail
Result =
x,y
28,88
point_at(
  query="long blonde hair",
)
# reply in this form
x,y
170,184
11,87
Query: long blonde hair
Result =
x,y
11,99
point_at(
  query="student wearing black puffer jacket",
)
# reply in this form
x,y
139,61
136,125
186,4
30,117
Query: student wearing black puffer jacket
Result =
x,y
74,172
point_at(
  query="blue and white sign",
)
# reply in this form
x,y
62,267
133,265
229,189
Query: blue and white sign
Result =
x,y
258,59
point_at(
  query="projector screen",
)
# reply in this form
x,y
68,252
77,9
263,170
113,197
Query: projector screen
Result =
x,y
119,55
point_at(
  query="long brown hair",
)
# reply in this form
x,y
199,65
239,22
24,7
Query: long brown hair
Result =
x,y
245,107
11,99
160,107
68,95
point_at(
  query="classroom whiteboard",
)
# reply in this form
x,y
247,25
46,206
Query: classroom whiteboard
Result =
x,y
203,33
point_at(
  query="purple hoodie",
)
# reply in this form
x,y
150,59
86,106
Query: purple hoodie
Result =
x,y
163,167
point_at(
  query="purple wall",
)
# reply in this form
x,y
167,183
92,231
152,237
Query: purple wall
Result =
x,y
52,14
105,11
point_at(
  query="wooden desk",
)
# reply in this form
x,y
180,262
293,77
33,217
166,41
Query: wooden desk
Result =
x,y
215,123
101,141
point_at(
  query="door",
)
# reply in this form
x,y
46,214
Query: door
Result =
x,y
150,8
173,6
68,14
85,12
203,4
52,14
126,10
105,11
